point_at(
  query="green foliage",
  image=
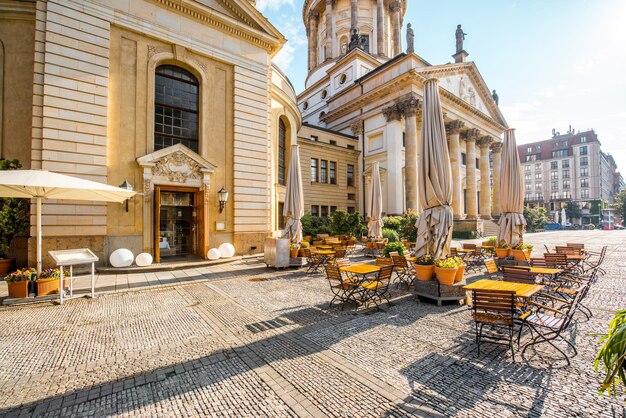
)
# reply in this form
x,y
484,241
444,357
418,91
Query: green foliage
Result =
x,y
408,230
20,275
426,260
493,241
313,225
392,222
536,218
449,263
620,203
573,210
391,235
463,234
393,247
339,223
596,207
14,214
612,354
355,221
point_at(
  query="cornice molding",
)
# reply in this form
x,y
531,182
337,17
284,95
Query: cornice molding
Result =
x,y
15,10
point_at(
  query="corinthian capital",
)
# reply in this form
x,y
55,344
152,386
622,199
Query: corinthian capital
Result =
x,y
470,134
454,127
484,141
392,113
395,6
409,106
357,127
496,147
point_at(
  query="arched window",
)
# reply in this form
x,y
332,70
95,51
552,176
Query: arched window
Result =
x,y
282,150
175,108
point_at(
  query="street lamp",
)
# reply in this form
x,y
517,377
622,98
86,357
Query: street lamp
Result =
x,y
126,185
223,197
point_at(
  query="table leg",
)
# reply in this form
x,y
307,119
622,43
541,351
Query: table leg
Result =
x,y
93,280
71,281
61,285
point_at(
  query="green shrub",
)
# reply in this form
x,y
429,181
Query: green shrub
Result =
x,y
391,235
408,230
463,234
392,222
393,247
14,214
612,354
313,225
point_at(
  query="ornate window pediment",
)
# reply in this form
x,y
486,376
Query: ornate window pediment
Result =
x,y
176,164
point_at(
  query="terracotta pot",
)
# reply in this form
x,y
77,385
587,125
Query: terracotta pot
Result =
x,y
18,289
424,272
502,252
445,276
520,255
47,286
301,253
293,252
459,273
5,265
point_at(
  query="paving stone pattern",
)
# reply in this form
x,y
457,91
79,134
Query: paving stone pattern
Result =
x,y
249,341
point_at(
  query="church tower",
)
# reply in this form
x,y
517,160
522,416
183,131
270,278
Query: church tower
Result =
x,y
330,25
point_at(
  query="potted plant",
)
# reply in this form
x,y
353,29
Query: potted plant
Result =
x,y
293,250
48,282
393,247
521,252
612,354
460,270
303,245
17,282
503,251
5,263
445,270
424,268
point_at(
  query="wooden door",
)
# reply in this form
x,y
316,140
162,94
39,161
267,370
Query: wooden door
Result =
x,y
157,224
201,226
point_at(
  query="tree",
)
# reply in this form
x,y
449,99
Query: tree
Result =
x,y
620,204
535,218
14,214
573,211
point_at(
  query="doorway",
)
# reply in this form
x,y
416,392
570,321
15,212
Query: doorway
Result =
x,y
178,222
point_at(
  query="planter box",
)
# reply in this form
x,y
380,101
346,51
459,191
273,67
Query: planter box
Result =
x,y
435,291
18,289
47,287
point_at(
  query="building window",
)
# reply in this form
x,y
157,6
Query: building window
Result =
x,y
463,158
554,195
342,78
554,175
567,194
333,209
538,175
322,114
584,172
332,142
324,171
555,185
565,174
584,194
583,139
565,163
324,210
554,165
350,146
527,176
528,186
351,209
538,167
351,196
527,167
305,105
314,138
584,161
314,170
333,172
315,210
565,184
584,182
529,196
531,158
175,108
350,173
538,185
282,150
560,153
539,196
324,94
529,150
281,218
477,163
565,143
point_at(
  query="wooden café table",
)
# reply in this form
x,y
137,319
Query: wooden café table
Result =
x,y
361,269
522,290
324,247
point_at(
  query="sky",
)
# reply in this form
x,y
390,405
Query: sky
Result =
x,y
554,63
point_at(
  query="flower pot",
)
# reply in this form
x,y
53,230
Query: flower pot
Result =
x,y
520,255
301,253
47,286
5,265
445,276
502,252
424,272
293,252
459,273
18,289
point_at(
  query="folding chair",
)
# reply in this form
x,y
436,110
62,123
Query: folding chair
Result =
x,y
496,309
492,269
377,288
404,273
317,261
341,288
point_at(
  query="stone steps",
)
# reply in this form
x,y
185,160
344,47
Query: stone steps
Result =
x,y
490,228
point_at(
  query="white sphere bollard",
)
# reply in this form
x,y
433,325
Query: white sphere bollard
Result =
x,y
213,254
121,257
143,259
227,250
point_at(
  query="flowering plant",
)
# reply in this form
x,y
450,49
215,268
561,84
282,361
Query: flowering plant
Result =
x,y
20,275
447,263
425,260
304,244
50,274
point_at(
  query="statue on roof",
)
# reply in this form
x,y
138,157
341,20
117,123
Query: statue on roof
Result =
x,y
460,37
495,96
356,40
410,36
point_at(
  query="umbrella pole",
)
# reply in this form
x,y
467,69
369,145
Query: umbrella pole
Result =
x,y
38,235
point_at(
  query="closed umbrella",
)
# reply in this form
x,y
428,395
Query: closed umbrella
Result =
x,y
556,217
512,222
563,217
41,184
375,205
434,226
294,198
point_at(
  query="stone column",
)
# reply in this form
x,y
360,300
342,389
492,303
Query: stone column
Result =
x,y
395,8
453,130
485,186
313,21
328,50
393,140
496,149
470,172
354,15
380,24
410,108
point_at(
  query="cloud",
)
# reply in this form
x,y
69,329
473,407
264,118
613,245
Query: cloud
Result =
x,y
296,39
263,5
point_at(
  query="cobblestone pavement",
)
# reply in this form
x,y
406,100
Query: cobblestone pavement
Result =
x,y
265,343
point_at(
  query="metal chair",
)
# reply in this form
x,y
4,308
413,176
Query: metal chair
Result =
x,y
519,275
404,273
494,308
342,289
492,269
377,288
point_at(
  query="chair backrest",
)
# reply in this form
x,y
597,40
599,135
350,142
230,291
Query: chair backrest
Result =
x,y
571,310
333,274
340,253
519,275
392,253
560,249
385,272
453,252
492,267
318,243
575,245
342,262
382,261
307,252
469,246
538,262
500,302
556,260
399,261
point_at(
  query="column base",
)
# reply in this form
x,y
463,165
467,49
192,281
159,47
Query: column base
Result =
x,y
486,217
458,217
471,217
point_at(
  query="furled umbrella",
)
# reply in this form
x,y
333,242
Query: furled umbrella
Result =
x,y
41,184
375,204
434,226
556,217
512,222
563,217
294,198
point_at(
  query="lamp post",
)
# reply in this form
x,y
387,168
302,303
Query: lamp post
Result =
x,y
223,198
126,185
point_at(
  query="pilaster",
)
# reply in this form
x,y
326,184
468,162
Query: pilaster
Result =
x,y
485,187
328,48
453,131
410,108
470,137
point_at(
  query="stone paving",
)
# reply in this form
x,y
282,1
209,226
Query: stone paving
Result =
x,y
257,342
